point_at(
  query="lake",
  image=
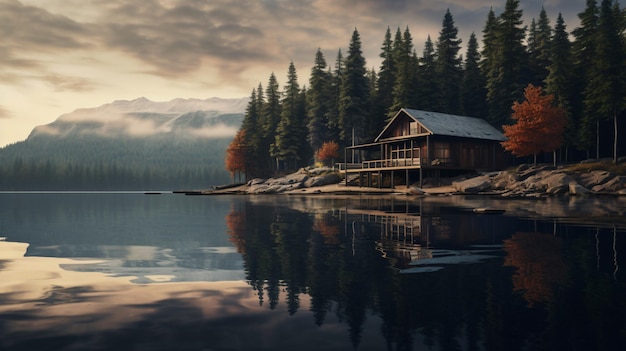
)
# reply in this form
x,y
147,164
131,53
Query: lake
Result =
x,y
130,271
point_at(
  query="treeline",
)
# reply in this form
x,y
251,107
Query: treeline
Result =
x,y
93,163
34,176
349,104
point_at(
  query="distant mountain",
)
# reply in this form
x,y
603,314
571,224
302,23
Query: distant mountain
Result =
x,y
138,144
210,118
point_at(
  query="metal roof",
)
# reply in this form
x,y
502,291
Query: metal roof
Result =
x,y
452,125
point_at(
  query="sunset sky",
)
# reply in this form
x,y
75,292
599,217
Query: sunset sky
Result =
x,y
60,55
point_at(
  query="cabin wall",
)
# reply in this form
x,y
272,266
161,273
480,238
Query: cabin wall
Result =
x,y
452,152
437,152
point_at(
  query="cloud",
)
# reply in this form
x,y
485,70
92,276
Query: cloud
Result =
x,y
35,29
175,39
63,83
4,113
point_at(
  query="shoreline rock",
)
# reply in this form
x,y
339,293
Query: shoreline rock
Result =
x,y
527,181
544,181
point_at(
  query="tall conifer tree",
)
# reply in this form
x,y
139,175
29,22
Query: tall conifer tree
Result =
x,y
319,98
560,77
336,77
584,48
270,118
606,87
354,106
504,79
249,133
539,49
427,90
286,148
375,121
386,79
473,92
448,67
402,50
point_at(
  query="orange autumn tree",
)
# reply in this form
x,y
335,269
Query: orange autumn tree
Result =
x,y
539,127
328,152
236,156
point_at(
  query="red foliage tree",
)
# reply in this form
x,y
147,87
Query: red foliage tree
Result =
x,y
328,152
236,156
539,127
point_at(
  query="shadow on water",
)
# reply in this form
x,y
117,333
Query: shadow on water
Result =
x,y
367,273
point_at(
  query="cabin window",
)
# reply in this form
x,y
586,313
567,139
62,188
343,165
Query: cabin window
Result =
x,y
413,128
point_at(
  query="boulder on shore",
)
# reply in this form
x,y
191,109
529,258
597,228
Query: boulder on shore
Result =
x,y
577,189
303,178
473,185
542,181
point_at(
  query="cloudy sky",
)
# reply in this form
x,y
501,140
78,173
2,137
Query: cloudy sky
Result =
x,y
60,55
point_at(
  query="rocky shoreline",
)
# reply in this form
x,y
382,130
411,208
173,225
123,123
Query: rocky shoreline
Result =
x,y
543,181
526,181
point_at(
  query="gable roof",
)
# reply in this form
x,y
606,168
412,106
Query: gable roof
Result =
x,y
450,125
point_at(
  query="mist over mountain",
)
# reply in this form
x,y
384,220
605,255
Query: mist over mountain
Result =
x,y
138,144
210,118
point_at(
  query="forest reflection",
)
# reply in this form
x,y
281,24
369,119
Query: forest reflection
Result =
x,y
436,275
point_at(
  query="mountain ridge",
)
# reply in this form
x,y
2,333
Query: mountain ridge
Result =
x,y
127,145
142,117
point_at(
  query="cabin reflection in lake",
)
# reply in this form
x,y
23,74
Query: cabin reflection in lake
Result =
x,y
312,273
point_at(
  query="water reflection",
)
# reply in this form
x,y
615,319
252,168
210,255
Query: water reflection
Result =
x,y
150,238
309,273
492,282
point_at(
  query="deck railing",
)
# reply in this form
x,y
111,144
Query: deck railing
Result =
x,y
374,164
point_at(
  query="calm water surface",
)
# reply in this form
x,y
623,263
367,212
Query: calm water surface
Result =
x,y
128,271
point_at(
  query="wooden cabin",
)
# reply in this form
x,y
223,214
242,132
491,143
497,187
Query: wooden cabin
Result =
x,y
416,144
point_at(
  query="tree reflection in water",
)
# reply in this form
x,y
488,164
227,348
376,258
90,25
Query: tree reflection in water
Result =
x,y
538,291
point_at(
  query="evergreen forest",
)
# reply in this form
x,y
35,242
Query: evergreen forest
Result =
x,y
583,70
103,163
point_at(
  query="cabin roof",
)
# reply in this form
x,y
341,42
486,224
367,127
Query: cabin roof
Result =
x,y
451,125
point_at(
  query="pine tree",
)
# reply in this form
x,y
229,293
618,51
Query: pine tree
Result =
x,y
427,90
448,67
354,106
473,92
250,133
386,79
305,151
270,117
336,77
560,77
606,88
287,140
375,121
319,98
504,80
584,48
539,45
488,52
402,50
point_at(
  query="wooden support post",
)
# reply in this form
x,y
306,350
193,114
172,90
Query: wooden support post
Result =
x,y
407,177
345,158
